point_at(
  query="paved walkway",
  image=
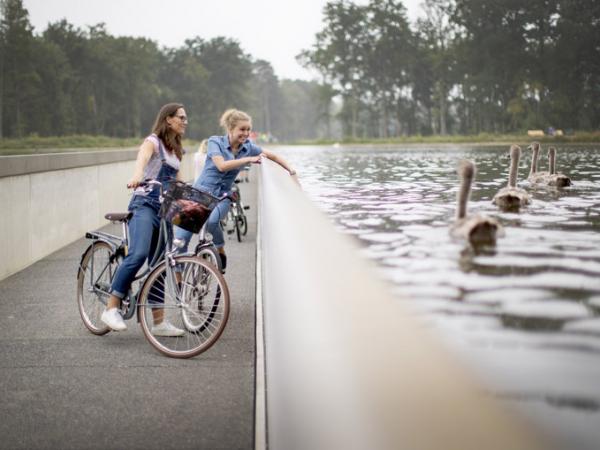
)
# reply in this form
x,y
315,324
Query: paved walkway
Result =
x,y
62,387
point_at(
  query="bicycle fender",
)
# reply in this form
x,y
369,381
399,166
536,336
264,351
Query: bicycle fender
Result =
x,y
96,239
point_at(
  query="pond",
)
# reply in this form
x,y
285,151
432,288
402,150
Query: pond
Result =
x,y
524,314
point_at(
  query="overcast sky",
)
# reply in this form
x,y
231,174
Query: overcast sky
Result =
x,y
273,30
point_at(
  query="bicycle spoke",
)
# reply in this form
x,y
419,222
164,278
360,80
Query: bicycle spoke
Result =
x,y
94,279
198,308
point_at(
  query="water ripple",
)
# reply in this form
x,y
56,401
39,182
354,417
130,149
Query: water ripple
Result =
x,y
506,308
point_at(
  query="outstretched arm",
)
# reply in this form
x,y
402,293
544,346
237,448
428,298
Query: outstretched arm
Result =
x,y
226,166
279,160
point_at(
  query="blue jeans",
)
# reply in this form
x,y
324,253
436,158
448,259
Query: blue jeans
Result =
x,y
213,226
143,236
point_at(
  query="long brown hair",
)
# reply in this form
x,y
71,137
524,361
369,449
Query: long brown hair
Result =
x,y
161,128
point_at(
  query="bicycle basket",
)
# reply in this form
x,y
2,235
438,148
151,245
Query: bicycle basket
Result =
x,y
187,207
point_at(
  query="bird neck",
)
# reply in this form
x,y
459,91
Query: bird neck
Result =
x,y
534,161
463,196
552,163
514,167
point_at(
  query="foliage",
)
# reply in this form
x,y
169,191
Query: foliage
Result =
x,y
71,81
465,67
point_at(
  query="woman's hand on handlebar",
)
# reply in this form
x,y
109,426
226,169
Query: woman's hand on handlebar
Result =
x,y
133,183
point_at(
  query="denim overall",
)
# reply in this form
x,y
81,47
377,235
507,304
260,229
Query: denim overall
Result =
x,y
143,229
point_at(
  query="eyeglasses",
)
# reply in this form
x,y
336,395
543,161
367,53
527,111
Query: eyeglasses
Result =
x,y
182,118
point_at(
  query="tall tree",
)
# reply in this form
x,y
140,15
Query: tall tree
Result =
x,y
575,75
20,82
340,55
230,70
493,58
265,87
390,53
438,34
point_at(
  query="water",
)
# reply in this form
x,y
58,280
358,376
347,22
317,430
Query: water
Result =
x,y
524,315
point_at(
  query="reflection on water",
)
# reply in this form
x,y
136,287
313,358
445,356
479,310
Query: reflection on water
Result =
x,y
526,313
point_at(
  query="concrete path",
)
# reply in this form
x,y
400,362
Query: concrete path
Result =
x,y
62,387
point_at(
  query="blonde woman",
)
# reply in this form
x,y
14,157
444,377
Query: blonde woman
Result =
x,y
226,156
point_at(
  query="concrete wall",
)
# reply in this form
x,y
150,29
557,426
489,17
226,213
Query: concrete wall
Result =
x,y
347,365
62,197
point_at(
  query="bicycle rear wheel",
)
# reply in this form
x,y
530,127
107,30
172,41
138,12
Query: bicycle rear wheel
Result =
x,y
243,219
209,254
238,227
197,305
96,271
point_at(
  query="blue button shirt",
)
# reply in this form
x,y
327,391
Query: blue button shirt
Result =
x,y
211,179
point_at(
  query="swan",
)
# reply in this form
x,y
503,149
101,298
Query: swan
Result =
x,y
477,229
511,197
556,179
534,175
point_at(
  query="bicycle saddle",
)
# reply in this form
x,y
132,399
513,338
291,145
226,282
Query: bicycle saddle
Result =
x,y
118,217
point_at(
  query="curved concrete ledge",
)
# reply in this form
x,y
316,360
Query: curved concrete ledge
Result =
x,y
27,164
52,200
348,365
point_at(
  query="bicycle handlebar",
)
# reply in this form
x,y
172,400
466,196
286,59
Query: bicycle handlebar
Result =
x,y
150,182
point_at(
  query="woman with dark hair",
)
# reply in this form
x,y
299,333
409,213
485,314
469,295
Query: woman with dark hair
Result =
x,y
158,159
226,155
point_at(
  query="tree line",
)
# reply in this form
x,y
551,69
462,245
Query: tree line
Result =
x,y
464,67
68,81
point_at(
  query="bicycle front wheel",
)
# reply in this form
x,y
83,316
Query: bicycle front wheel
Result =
x,y
194,302
96,271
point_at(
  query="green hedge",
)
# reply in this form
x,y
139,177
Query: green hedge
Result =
x,y
56,144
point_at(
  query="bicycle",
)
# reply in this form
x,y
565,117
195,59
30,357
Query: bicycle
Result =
x,y
186,289
236,218
206,250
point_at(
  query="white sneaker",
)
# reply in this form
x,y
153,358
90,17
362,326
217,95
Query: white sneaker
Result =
x,y
167,329
112,318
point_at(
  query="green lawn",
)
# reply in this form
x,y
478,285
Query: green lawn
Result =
x,y
58,144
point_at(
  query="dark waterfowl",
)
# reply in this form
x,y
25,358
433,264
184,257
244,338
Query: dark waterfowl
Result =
x,y
556,179
512,197
477,229
536,176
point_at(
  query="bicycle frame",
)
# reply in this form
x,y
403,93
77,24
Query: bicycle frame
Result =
x,y
163,253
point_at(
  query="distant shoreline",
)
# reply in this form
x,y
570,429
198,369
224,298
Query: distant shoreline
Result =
x,y
520,141
481,139
71,144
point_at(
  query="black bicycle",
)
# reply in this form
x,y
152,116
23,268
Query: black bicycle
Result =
x,y
235,219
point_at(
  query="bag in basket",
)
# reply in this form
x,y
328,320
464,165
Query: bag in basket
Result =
x,y
187,207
